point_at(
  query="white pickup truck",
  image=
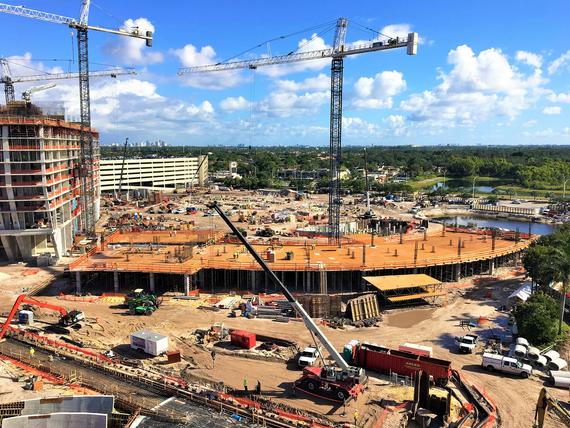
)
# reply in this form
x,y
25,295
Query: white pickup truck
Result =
x,y
467,343
505,364
308,357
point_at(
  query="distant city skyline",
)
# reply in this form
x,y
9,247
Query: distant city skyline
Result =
x,y
486,73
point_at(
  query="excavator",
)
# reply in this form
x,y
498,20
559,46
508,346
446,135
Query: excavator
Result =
x,y
67,318
340,382
545,403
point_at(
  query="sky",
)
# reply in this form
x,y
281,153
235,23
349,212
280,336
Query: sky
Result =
x,y
486,72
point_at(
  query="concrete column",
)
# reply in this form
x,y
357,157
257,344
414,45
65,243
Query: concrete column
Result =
x,y
186,284
492,267
151,282
78,282
10,246
457,272
116,281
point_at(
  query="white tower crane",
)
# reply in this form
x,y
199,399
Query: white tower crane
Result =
x,y
27,94
337,52
88,153
8,80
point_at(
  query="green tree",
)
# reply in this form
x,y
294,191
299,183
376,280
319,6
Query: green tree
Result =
x,y
537,319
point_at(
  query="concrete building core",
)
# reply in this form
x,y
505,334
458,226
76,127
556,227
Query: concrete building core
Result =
x,y
154,174
39,181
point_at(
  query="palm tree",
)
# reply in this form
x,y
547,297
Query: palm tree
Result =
x,y
560,270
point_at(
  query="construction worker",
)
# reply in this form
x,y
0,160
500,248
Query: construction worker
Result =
x,y
245,384
213,354
32,352
355,416
258,388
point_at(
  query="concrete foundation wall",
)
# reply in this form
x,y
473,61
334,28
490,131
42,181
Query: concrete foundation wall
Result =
x,y
88,404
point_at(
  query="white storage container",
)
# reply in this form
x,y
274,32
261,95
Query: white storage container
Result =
x,y
150,342
25,317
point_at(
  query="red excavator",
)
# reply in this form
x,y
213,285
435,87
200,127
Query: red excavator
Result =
x,y
67,318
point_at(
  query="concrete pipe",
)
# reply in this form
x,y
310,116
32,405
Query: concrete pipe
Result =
x,y
520,351
533,353
557,364
551,355
541,362
522,341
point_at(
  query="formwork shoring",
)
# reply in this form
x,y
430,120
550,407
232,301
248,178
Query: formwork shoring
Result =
x,y
346,281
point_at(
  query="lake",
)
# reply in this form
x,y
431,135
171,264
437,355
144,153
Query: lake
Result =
x,y
536,228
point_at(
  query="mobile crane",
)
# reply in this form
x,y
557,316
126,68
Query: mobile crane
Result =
x,y
339,382
67,318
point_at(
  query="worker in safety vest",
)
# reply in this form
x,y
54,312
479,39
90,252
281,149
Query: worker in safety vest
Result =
x,y
32,352
245,384
355,415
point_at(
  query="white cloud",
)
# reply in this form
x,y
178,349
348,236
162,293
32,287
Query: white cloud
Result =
x,y
190,56
529,58
529,123
322,82
396,124
559,62
560,98
129,50
397,30
305,45
286,104
552,110
377,92
356,126
477,88
566,131
234,104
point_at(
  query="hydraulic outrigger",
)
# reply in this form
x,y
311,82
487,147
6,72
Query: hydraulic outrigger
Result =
x,y
337,383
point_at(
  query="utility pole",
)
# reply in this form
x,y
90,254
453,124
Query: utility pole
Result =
x,y
474,178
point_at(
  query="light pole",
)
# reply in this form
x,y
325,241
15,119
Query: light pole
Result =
x,y
474,178
565,180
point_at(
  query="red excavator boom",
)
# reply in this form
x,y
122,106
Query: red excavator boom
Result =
x,y
24,299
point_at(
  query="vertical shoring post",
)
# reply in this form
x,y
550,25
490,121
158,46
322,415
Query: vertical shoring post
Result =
x,y
335,150
87,155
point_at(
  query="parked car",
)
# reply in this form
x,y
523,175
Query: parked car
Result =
x,y
505,364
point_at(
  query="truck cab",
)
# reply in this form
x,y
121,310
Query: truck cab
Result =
x,y
467,343
506,364
308,357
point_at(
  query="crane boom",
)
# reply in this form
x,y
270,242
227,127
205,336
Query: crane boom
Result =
x,y
114,72
309,323
410,43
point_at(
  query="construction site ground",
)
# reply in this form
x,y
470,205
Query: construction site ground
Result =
x,y
109,326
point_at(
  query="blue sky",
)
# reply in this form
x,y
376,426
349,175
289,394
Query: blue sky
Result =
x,y
486,72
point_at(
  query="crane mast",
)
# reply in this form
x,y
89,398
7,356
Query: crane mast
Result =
x,y
337,52
88,152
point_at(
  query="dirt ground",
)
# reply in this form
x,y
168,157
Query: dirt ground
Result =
x,y
109,327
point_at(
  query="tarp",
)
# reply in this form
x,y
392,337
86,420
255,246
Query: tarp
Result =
x,y
522,293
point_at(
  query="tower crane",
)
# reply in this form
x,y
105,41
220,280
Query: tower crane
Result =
x,y
88,151
27,94
337,52
8,80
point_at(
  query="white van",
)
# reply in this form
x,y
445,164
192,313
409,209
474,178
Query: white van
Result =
x,y
505,364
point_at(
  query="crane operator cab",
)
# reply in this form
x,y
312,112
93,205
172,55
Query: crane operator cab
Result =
x,y
354,375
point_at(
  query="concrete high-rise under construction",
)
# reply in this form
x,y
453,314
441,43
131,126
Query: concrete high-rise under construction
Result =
x,y
39,181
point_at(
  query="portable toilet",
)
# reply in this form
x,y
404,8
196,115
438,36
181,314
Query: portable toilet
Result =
x,y
25,317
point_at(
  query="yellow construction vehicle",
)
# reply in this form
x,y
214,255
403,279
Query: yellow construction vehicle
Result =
x,y
547,402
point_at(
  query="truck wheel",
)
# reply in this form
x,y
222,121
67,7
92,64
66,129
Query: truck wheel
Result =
x,y
132,311
312,385
490,368
341,394
524,375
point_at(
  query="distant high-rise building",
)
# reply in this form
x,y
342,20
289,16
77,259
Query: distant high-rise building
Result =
x,y
39,183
